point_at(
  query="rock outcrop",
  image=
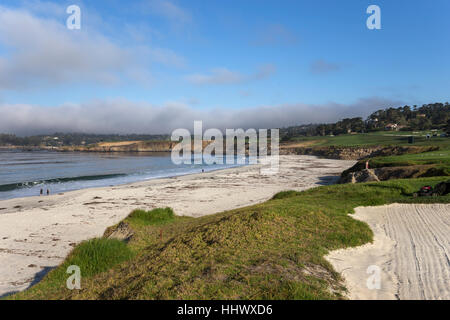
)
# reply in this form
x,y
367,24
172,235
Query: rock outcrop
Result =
x,y
387,173
355,153
122,232
366,175
442,188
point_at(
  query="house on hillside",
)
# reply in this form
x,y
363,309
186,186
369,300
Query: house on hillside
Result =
x,y
392,127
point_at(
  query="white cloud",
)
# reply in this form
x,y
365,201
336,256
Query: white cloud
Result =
x,y
217,76
168,10
43,52
124,116
276,34
44,8
166,57
322,67
226,76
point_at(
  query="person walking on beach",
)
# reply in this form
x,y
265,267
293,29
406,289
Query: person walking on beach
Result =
x,y
48,192
42,191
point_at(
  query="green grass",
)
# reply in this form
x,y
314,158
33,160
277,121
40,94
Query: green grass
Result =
x,y
99,255
93,257
383,138
436,163
433,157
273,250
154,217
439,160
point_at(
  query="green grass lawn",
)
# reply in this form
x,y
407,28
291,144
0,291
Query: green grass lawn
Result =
x,y
274,250
440,159
383,138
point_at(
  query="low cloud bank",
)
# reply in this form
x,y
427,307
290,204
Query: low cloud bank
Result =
x,y
123,116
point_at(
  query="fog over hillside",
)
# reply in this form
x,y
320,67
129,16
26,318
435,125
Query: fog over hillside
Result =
x,y
123,116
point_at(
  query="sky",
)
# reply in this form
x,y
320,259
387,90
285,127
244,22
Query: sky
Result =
x,y
151,66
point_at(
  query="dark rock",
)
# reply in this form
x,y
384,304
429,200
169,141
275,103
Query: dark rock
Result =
x,y
366,175
121,232
403,172
442,188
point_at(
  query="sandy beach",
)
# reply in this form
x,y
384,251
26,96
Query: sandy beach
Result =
x,y
411,248
37,233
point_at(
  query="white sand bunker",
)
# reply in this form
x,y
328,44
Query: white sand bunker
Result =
x,y
411,251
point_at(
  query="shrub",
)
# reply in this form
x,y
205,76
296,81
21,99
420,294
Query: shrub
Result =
x,y
98,255
154,217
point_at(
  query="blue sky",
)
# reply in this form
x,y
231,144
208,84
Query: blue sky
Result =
x,y
230,55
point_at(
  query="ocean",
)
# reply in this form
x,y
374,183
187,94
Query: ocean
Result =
x,y
25,173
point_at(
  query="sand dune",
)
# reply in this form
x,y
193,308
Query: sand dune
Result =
x,y
37,233
411,248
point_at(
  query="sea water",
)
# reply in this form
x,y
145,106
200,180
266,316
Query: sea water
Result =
x,y
25,173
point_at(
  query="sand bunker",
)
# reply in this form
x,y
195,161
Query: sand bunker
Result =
x,y
411,250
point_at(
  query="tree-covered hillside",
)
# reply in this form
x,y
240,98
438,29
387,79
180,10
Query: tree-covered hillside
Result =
x,y
73,139
426,117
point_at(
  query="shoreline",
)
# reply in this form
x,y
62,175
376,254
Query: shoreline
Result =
x,y
39,232
70,193
127,183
